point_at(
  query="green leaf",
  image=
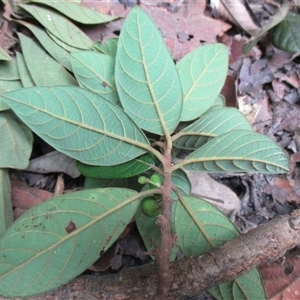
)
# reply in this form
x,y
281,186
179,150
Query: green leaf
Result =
x,y
44,70
200,226
79,124
108,48
215,121
286,35
146,77
95,72
57,52
7,86
57,240
202,74
9,70
4,55
10,85
182,182
16,150
25,76
77,12
55,22
220,101
238,151
6,210
125,170
248,286
92,183
62,44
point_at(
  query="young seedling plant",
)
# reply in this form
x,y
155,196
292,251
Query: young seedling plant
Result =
x,y
125,125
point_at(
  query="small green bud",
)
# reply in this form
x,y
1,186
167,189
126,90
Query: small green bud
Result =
x,y
142,180
155,181
150,207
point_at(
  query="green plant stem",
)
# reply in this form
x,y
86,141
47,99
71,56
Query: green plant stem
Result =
x,y
167,239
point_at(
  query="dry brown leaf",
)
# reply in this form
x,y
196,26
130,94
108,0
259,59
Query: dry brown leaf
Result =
x,y
25,197
283,189
279,88
282,278
237,12
54,162
183,31
203,185
189,21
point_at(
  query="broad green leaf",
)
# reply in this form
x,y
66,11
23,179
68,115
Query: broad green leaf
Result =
x,y
109,47
25,76
57,240
129,183
44,70
200,226
77,12
220,101
92,183
6,86
202,74
181,181
59,26
10,85
273,21
17,142
6,210
9,70
146,77
62,44
248,286
148,229
125,170
95,72
238,151
215,121
286,34
79,123
4,55
57,52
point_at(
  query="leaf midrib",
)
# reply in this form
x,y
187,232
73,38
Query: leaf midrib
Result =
x,y
80,125
155,102
200,76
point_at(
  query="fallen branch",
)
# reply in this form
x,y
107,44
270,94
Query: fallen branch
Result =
x,y
191,275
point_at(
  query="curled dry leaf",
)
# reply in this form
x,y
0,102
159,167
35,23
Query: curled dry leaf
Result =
x,y
54,162
237,12
203,185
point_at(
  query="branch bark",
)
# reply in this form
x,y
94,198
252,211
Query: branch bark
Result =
x,y
191,275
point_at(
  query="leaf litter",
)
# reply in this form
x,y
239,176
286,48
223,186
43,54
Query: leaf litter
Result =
x,y
263,84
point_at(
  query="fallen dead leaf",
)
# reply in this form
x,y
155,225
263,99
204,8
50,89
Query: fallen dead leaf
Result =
x,y
283,189
282,278
59,186
183,29
279,88
203,185
54,162
25,197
